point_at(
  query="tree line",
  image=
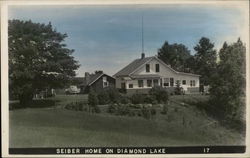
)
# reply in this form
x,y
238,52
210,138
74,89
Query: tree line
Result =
x,y
224,71
39,59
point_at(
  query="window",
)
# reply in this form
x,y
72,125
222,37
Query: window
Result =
x,y
171,82
156,82
147,68
183,82
166,82
130,85
149,83
192,83
157,68
140,83
105,84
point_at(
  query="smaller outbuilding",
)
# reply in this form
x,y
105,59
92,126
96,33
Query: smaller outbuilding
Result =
x,y
96,81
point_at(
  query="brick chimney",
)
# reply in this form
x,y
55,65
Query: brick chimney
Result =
x,y
142,55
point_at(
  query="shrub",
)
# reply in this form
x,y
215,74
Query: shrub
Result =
x,y
160,94
122,110
97,109
178,89
138,98
92,98
125,100
114,95
146,113
103,98
153,111
77,106
164,109
112,108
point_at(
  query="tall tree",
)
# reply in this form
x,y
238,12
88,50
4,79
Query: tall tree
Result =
x,y
228,84
205,60
175,55
37,59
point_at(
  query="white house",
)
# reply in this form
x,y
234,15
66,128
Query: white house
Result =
x,y
144,73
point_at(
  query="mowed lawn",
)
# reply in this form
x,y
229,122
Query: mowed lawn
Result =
x,y
58,127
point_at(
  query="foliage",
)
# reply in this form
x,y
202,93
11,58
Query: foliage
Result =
x,y
228,84
114,94
112,108
146,112
96,109
205,60
176,55
160,94
178,89
92,98
110,95
77,106
103,98
164,109
138,98
125,100
40,103
37,59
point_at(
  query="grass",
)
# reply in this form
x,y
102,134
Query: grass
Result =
x,y
58,127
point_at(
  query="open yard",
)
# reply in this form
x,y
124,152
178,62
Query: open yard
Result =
x,y
59,127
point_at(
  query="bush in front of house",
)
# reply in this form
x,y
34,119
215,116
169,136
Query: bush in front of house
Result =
x,y
92,98
160,94
109,95
123,109
125,99
103,98
178,89
112,108
138,98
146,113
164,109
77,106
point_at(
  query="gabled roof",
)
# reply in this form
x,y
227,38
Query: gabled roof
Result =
x,y
126,71
136,64
93,78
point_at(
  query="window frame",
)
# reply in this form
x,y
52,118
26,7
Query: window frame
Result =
x,y
157,67
147,67
130,85
140,85
184,83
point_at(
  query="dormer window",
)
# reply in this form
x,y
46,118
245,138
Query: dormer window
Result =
x,y
147,68
157,68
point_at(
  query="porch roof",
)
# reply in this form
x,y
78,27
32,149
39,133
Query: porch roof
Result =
x,y
146,76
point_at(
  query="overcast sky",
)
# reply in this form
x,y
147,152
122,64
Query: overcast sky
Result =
x,y
109,37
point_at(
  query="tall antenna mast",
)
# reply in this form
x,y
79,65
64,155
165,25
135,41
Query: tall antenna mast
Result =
x,y
142,37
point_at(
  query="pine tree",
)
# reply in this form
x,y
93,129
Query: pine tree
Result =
x,y
205,60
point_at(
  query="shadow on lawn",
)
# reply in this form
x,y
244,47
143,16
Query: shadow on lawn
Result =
x,y
41,103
